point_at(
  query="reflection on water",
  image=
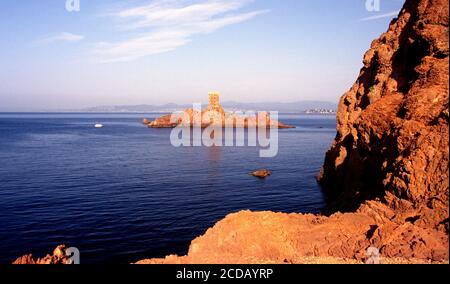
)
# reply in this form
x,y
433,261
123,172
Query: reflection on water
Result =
x,y
214,158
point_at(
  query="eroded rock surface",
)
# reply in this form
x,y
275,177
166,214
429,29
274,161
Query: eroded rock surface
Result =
x,y
393,123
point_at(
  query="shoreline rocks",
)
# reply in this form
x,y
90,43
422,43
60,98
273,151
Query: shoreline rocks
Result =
x,y
267,237
58,257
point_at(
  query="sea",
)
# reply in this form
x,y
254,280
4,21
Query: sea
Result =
x,y
123,193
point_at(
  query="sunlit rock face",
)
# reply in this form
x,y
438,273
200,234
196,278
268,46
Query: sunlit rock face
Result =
x,y
215,115
393,123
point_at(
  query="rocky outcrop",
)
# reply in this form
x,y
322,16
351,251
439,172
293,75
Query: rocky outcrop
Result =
x,y
215,115
261,173
214,118
58,257
268,237
393,123
164,121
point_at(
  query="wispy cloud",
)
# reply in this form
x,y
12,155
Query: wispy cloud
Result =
x,y
60,37
165,25
380,16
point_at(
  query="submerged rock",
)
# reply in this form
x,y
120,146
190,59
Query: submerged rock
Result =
x,y
261,173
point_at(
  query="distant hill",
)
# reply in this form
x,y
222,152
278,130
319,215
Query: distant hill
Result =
x,y
294,107
137,108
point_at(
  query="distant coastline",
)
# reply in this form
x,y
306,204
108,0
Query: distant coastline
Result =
x,y
294,107
299,107
148,112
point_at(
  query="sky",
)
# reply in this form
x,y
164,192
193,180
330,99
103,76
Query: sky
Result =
x,y
113,52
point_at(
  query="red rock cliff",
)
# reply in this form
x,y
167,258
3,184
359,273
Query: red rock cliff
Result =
x,y
392,139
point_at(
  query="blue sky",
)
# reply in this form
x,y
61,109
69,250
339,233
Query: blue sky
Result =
x,y
153,52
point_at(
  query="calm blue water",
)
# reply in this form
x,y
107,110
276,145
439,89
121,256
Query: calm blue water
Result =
x,y
123,193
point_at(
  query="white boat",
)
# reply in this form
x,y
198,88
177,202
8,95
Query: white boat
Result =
x,y
98,125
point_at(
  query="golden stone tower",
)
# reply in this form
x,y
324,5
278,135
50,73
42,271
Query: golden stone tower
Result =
x,y
214,112
214,100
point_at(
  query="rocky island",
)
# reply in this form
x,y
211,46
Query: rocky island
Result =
x,y
214,114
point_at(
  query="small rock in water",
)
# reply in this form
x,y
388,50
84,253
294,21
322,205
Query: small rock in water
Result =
x,y
261,173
